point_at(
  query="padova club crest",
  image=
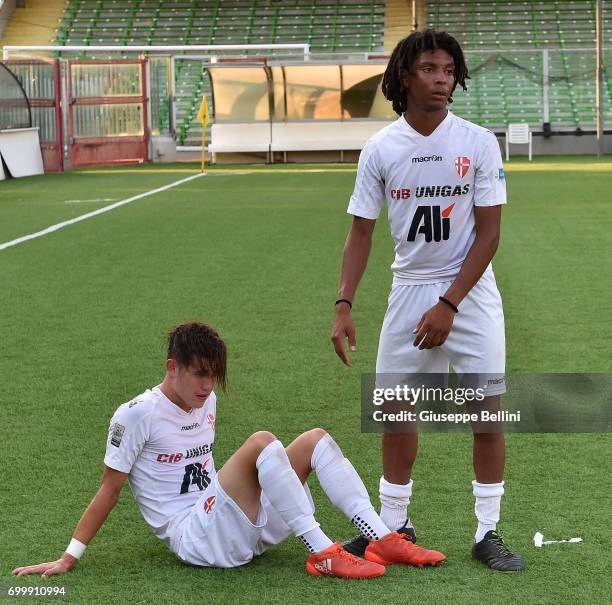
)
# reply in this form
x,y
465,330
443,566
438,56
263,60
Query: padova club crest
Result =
x,y
462,165
209,504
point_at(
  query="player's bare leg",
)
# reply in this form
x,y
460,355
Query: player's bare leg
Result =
x,y
399,452
489,456
489,451
239,477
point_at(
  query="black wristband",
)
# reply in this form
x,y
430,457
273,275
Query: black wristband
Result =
x,y
449,303
348,302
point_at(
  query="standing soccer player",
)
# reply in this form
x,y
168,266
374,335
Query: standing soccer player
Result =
x,y
443,181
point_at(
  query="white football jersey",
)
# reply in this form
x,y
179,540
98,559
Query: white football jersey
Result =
x,y
431,185
167,453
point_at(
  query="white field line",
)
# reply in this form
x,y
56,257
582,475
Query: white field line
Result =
x,y
84,217
102,199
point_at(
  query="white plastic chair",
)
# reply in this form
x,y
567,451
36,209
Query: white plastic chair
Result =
x,y
518,134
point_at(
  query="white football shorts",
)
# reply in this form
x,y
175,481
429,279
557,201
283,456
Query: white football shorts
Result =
x,y
476,343
217,533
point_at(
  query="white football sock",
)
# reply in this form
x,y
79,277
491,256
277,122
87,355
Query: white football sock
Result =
x,y
286,493
394,501
487,507
345,488
315,540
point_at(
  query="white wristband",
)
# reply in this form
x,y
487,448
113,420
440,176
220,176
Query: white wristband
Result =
x,y
76,548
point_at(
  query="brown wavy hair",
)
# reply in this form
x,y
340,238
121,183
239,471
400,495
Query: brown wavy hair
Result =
x,y
197,344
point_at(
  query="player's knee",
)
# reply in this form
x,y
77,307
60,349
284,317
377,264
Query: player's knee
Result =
x,y
316,434
261,439
313,436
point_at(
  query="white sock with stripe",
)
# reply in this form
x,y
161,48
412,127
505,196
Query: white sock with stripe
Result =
x,y
286,494
345,489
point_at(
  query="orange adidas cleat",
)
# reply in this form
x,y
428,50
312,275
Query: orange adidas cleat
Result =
x,y
397,548
336,562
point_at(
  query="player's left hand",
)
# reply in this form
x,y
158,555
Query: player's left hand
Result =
x,y
433,328
64,564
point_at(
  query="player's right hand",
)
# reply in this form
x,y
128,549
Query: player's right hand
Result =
x,y
343,327
52,568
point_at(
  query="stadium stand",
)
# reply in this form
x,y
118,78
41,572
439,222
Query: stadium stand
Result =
x,y
34,23
506,40
505,43
399,20
327,25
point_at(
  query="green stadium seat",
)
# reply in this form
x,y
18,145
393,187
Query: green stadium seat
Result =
x,y
531,26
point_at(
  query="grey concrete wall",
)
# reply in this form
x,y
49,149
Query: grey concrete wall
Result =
x,y
554,145
569,144
559,145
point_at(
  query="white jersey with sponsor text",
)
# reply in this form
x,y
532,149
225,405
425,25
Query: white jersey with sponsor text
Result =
x,y
431,185
167,453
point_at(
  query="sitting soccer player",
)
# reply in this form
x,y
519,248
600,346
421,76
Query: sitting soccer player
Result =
x,y
162,441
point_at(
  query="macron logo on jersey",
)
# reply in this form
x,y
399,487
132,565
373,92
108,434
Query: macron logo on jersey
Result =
x,y
427,158
189,427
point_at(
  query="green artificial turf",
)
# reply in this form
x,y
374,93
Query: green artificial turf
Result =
x,y
85,310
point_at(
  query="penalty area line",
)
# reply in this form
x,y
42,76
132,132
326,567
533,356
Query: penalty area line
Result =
x,y
88,215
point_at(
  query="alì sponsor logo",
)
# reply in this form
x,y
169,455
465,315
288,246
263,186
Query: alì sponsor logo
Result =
x,y
427,158
432,222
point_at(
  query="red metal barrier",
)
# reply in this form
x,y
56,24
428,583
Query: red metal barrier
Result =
x,y
108,122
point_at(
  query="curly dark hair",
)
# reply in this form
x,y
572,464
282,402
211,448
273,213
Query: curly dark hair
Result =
x,y
404,56
195,343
